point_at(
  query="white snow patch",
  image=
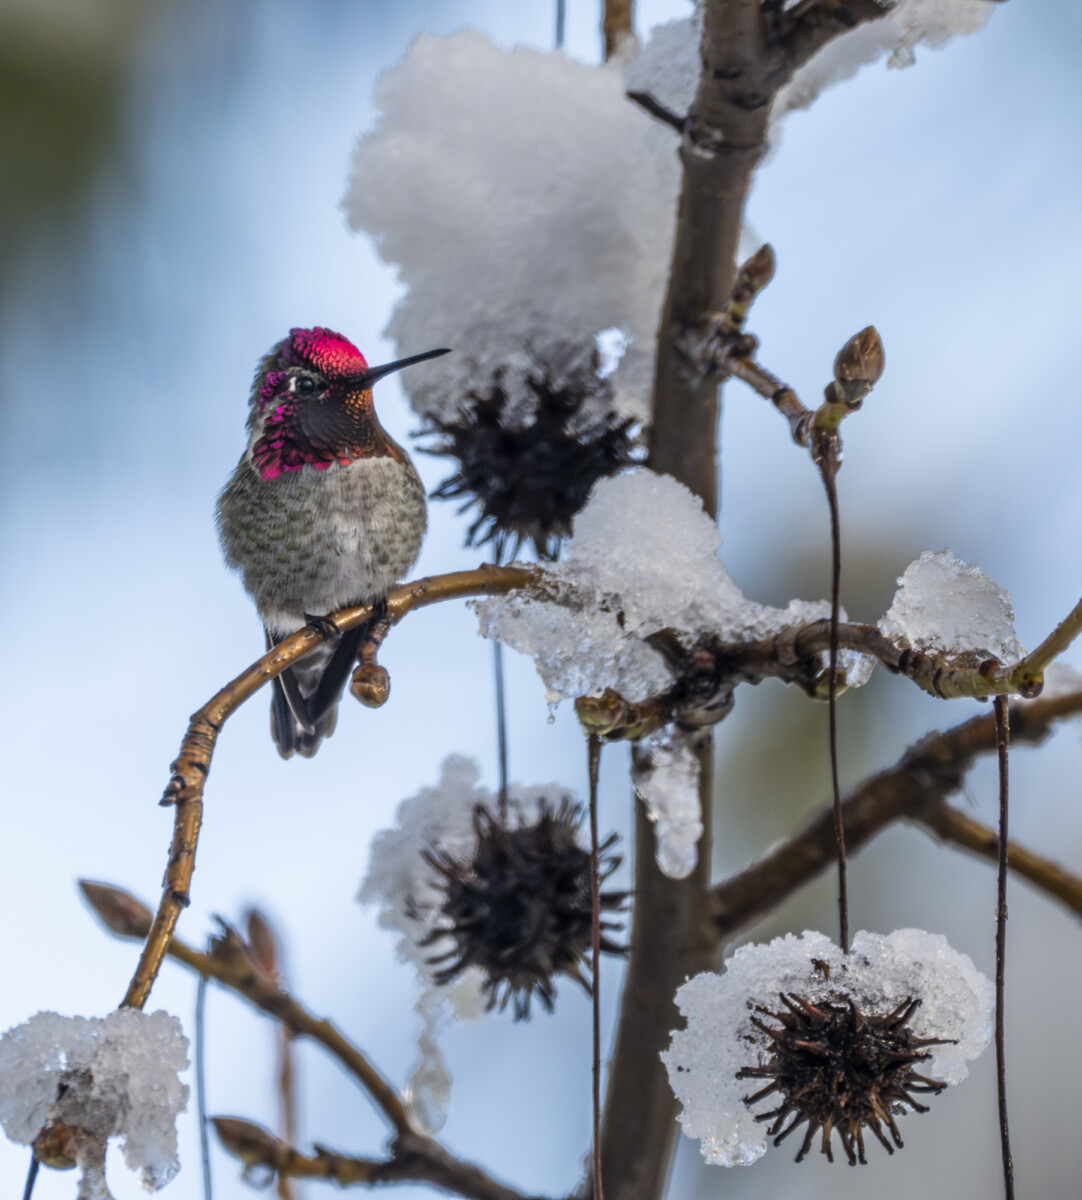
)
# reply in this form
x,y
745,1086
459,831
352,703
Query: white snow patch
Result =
x,y
945,606
113,1076
642,558
529,206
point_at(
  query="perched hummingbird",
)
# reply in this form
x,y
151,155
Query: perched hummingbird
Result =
x,y
324,510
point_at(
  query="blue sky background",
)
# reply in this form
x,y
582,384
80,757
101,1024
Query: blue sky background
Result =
x,y
939,203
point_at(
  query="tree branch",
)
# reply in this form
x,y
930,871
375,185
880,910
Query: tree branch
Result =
x,y
413,1159
231,962
915,789
192,765
790,655
721,144
814,23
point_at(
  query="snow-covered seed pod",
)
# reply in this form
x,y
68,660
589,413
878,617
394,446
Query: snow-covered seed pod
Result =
x,y
518,906
837,1042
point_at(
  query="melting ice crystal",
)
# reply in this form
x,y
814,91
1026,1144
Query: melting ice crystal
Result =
x,y
105,1076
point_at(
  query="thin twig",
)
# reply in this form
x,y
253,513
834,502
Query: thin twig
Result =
x,y
501,723
414,1156
593,753
192,765
828,470
1002,739
201,1082
651,104
413,1159
915,789
31,1176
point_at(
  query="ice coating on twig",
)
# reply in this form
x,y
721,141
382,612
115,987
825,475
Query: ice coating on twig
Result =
x,y
669,64
99,1077
643,558
666,779
881,972
945,606
522,238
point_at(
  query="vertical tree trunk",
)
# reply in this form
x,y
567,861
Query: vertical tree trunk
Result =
x,y
722,144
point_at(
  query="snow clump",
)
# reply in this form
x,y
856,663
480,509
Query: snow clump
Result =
x,y
97,1078
945,606
878,975
529,208
642,558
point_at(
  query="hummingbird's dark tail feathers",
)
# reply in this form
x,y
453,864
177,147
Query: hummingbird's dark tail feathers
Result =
x,y
304,703
290,736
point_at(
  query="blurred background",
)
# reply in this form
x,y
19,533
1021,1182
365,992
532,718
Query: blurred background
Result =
x,y
168,209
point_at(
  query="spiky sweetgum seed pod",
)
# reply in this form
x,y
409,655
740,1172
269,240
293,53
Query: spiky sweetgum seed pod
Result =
x,y
839,1069
529,480
519,907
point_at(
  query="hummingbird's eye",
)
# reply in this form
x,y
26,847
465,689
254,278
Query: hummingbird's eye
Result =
x,y
306,386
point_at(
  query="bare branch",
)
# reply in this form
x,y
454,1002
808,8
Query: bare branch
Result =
x,y
960,829
192,765
813,24
235,964
915,789
413,1159
651,104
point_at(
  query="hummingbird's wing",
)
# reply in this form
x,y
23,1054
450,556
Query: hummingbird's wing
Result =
x,y
304,703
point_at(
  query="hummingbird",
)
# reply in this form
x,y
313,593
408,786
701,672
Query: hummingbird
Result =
x,y
324,510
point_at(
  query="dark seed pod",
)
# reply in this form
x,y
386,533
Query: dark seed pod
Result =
x,y
529,476
839,1069
519,908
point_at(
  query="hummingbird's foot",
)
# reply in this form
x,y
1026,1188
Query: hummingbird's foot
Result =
x,y
325,625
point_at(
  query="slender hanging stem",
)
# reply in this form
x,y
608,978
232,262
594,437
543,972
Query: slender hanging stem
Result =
x,y
561,14
828,469
31,1176
1002,739
594,759
501,706
501,724
201,1081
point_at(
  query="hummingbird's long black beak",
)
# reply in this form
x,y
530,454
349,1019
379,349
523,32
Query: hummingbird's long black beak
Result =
x,y
366,378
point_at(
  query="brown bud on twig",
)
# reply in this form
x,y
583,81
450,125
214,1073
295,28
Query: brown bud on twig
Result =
x,y
758,271
613,718
752,277
263,943
371,685
251,1143
118,911
57,1145
861,359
